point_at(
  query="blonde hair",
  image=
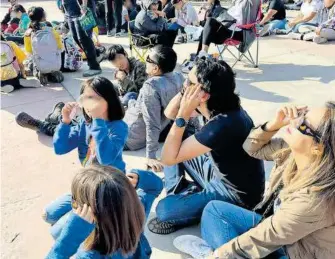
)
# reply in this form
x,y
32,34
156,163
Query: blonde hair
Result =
x,y
319,177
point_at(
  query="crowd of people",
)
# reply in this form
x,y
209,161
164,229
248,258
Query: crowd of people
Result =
x,y
212,155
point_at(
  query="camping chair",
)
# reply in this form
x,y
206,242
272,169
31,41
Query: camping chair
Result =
x,y
138,43
241,47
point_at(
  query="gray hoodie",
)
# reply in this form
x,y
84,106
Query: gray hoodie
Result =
x,y
146,22
145,118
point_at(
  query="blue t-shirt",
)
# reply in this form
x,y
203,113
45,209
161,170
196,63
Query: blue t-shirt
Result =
x,y
225,135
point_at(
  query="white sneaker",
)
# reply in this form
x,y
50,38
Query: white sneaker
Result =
x,y
319,40
111,33
7,89
192,245
294,36
309,36
265,30
30,83
122,33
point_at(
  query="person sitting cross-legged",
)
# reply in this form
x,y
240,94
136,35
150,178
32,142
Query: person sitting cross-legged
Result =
x,y
213,157
130,73
145,117
296,217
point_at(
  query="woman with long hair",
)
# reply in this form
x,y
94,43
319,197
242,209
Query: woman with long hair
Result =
x,y
296,218
108,216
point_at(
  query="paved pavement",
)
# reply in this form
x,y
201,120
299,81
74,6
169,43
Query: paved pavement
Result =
x,y
32,176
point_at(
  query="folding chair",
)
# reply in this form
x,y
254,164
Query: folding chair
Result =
x,y
138,43
239,46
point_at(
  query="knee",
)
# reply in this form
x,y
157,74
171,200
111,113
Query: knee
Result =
x,y
164,208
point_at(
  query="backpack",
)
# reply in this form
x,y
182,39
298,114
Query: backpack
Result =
x,y
73,59
9,66
46,55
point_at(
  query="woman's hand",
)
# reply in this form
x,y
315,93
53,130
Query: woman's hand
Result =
x,y
133,178
160,13
67,110
190,101
283,117
155,165
291,24
85,213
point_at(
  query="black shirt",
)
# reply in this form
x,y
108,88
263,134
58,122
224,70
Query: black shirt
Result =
x,y
72,7
279,6
225,135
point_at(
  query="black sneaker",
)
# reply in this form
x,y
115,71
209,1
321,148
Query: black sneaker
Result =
x,y
26,121
162,227
53,117
56,77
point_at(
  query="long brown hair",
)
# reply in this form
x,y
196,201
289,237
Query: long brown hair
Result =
x,y
319,177
119,214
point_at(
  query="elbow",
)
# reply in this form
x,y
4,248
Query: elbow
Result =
x,y
168,161
59,150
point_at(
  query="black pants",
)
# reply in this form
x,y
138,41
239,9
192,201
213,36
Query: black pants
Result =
x,y
165,38
17,39
85,43
118,14
215,32
110,24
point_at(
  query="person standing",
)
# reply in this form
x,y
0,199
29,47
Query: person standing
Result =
x,y
73,12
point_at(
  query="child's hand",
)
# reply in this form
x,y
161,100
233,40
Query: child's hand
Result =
x,y
133,178
85,213
67,110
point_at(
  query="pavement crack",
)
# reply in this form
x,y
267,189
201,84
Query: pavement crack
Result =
x,y
14,238
17,201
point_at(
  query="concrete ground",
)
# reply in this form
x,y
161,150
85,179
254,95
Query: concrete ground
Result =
x,y
32,175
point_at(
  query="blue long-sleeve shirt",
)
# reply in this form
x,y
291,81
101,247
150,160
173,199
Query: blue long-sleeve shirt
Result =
x,y
77,230
109,136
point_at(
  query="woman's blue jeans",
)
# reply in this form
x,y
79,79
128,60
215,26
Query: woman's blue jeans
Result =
x,y
277,24
295,28
222,221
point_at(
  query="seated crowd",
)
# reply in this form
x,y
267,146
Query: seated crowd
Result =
x,y
212,155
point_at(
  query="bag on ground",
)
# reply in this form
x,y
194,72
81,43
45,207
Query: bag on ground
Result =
x,y
73,59
9,66
46,55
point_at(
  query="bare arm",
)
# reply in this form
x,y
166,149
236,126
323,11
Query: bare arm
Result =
x,y
172,109
268,16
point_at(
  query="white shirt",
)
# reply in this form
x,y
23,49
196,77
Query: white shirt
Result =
x,y
312,7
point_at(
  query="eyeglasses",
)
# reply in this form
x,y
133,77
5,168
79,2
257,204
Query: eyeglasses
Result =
x,y
303,128
149,60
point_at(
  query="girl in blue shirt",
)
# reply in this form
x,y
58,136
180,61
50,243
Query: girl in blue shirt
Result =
x,y
100,136
108,215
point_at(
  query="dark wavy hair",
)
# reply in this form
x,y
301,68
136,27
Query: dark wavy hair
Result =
x,y
104,88
18,8
114,50
218,79
165,58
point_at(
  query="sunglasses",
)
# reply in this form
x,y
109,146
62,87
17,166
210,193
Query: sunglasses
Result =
x,y
303,128
149,60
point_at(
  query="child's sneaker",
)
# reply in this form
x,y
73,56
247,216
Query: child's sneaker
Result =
x,y
33,83
319,40
122,33
7,89
279,32
56,77
111,33
265,30
295,36
180,39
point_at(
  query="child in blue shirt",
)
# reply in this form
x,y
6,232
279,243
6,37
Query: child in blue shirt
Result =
x,y
100,135
108,216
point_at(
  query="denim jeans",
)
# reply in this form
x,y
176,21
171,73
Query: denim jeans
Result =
x,y
148,188
174,26
295,28
186,206
277,24
84,41
223,221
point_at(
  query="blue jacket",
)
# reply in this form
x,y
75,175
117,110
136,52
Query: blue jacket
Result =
x,y
77,230
110,138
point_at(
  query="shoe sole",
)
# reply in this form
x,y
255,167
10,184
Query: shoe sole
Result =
x,y
93,74
7,89
30,83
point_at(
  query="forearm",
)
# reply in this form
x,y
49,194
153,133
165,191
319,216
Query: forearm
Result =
x,y
84,3
172,109
266,18
172,145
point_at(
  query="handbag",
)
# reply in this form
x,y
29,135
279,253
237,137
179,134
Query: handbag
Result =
x,y
87,20
225,18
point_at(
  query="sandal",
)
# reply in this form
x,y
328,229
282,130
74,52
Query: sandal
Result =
x,y
161,227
